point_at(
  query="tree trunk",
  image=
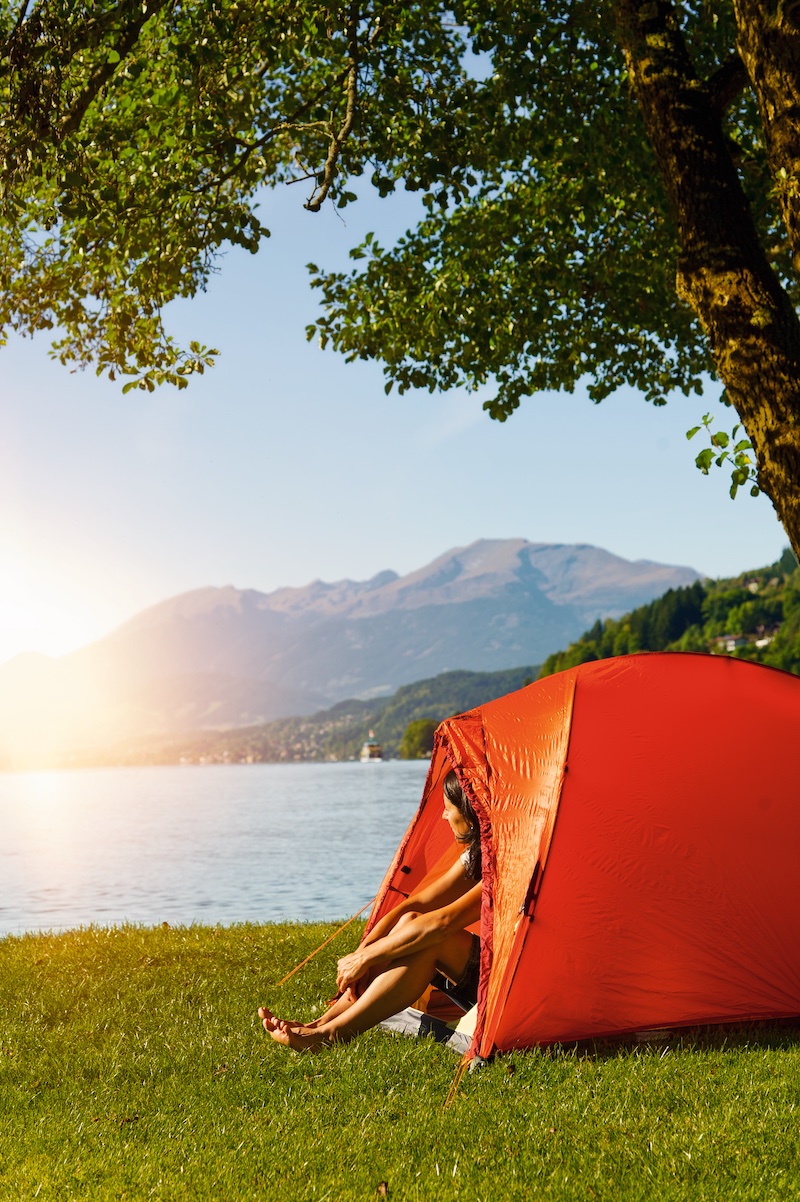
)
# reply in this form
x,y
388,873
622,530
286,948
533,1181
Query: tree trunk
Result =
x,y
768,38
722,270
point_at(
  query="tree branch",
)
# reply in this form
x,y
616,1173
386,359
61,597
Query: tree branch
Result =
x,y
727,82
71,122
95,29
23,10
293,122
317,198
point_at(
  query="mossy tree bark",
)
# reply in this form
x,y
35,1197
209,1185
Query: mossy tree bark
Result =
x,y
768,38
723,270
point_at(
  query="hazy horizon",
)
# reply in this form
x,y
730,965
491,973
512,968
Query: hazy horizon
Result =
x,y
279,588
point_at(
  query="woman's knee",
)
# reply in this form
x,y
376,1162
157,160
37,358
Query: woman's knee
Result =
x,y
404,919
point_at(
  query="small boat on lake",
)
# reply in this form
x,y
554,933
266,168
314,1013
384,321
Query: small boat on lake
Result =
x,y
371,751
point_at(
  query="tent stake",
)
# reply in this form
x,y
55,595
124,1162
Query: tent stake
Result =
x,y
453,1090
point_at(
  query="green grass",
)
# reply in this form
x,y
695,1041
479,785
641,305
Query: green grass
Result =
x,y
132,1066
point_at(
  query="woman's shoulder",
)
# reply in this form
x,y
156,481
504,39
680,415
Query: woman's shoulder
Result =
x,y
465,863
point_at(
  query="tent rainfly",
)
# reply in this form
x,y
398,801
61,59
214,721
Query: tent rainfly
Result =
x,y
640,829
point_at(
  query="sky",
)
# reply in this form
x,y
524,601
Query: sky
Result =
x,y
284,464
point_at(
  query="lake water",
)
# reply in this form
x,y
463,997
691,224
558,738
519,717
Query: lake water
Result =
x,y
215,844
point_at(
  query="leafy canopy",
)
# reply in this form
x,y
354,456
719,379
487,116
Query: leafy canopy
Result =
x,y
135,138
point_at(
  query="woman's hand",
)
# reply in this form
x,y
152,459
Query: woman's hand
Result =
x,y
351,968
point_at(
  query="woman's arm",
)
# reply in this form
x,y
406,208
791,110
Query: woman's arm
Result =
x,y
447,888
422,930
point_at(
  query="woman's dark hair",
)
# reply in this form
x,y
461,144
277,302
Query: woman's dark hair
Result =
x,y
457,797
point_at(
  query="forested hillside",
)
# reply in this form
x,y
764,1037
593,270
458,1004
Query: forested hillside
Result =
x,y
753,616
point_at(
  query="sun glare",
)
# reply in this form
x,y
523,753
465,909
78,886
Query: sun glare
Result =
x,y
50,608
34,625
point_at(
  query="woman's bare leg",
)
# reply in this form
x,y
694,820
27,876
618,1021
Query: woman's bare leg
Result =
x,y
400,984
270,1021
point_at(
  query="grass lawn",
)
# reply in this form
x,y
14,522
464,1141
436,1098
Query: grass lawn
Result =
x,y
132,1065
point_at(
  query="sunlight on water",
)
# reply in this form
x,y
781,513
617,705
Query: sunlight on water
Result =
x,y
217,844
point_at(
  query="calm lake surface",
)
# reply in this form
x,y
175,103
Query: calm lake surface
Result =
x,y
215,844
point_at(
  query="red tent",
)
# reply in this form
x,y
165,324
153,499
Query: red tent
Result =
x,y
640,827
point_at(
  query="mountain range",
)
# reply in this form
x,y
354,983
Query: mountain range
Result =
x,y
221,658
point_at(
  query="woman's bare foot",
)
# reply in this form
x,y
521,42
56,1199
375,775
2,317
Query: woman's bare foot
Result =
x,y
268,1019
270,1022
307,1040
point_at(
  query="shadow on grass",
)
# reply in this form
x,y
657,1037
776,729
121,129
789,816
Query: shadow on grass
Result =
x,y
767,1035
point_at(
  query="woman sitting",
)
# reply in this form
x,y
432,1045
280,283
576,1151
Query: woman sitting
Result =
x,y
424,936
